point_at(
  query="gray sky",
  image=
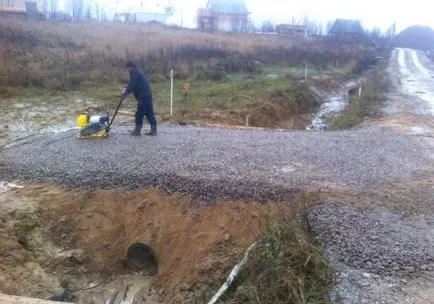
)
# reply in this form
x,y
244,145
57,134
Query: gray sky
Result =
x,y
381,13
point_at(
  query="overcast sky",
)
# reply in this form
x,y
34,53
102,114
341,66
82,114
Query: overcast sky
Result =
x,y
372,13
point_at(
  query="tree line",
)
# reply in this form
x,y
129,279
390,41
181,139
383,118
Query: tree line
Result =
x,y
316,28
75,10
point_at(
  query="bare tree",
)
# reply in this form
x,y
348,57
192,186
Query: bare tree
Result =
x,y
374,34
313,27
268,27
251,28
98,11
77,8
53,6
46,7
89,7
330,26
103,13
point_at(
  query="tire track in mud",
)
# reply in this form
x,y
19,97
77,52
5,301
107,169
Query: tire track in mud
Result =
x,y
418,81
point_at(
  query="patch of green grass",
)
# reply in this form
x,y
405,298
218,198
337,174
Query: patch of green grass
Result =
x,y
7,92
225,94
365,105
225,101
337,72
285,267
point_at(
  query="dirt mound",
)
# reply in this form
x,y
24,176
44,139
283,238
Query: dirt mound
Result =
x,y
90,232
416,37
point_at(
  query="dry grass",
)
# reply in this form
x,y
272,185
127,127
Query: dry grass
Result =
x,y
286,267
63,56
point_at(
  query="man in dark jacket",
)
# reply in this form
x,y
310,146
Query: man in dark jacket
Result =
x,y
139,86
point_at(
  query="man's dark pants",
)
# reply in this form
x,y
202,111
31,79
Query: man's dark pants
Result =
x,y
145,108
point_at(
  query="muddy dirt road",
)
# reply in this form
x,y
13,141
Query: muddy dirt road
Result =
x,y
415,75
400,220
410,104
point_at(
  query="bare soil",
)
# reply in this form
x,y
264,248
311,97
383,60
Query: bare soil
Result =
x,y
53,237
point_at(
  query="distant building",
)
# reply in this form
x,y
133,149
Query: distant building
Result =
x,y
347,30
289,30
22,8
140,17
144,12
224,15
143,17
124,17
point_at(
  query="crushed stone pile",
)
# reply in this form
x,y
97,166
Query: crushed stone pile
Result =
x,y
382,243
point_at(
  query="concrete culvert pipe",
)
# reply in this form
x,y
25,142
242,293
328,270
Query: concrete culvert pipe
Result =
x,y
141,257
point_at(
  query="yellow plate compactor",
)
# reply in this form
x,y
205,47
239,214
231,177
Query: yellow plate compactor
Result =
x,y
95,126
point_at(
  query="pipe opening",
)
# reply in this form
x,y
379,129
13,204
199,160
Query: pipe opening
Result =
x,y
142,257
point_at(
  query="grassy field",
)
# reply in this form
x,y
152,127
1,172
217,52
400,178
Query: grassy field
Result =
x,y
233,75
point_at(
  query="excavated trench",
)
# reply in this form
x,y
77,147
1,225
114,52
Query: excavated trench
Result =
x,y
141,246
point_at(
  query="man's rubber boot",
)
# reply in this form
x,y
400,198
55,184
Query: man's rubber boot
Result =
x,y
153,131
136,131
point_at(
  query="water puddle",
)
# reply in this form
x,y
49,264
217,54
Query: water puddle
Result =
x,y
416,130
26,117
134,291
135,287
6,186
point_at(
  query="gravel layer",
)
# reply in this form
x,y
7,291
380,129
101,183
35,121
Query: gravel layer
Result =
x,y
218,163
381,243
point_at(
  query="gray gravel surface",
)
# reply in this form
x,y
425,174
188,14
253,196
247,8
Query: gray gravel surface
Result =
x,y
358,287
218,163
382,242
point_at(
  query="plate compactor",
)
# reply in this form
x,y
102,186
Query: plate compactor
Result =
x,y
95,126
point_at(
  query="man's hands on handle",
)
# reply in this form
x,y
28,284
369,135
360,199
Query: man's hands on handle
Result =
x,y
123,92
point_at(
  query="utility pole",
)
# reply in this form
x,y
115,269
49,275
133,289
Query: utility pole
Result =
x,y
390,34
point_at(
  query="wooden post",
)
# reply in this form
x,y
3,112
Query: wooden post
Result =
x,y
305,71
247,120
360,91
171,92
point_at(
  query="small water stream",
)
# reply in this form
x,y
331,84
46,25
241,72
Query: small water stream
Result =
x,y
334,104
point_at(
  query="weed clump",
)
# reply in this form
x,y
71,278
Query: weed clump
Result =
x,y
285,267
360,107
